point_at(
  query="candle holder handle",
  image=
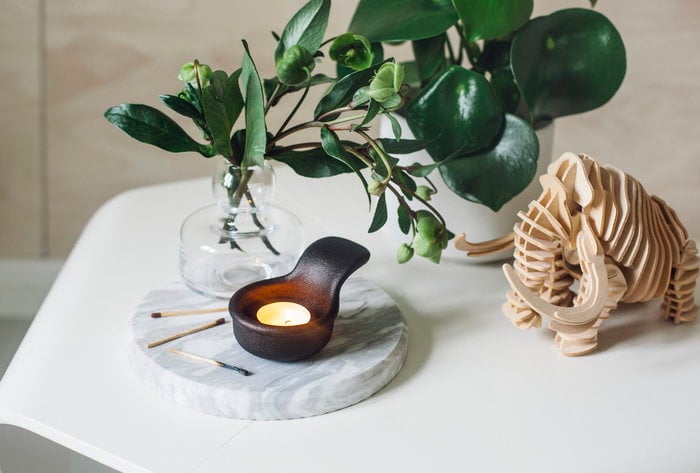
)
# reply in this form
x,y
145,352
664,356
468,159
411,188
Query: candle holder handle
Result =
x,y
327,263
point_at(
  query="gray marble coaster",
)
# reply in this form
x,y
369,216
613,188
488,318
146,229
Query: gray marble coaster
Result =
x,y
366,351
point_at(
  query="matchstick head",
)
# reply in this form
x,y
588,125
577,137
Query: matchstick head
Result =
x,y
156,315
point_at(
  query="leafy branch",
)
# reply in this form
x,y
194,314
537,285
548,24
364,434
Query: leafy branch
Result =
x,y
367,86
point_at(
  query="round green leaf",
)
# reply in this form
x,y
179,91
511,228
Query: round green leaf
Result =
x,y
401,20
457,111
497,175
568,62
491,19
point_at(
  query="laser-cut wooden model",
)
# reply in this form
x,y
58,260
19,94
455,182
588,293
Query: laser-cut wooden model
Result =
x,y
598,225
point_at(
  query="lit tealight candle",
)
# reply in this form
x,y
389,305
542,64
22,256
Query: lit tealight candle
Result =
x,y
283,314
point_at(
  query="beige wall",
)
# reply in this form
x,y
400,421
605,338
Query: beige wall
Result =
x,y
63,62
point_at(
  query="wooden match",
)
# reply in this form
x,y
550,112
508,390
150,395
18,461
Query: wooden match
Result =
x,y
174,313
187,332
218,363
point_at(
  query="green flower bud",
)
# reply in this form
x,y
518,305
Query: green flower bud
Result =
x,y
387,82
431,237
376,188
352,50
392,102
188,74
426,246
427,223
404,253
295,66
424,192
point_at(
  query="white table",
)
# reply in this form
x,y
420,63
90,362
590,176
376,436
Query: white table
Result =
x,y
475,394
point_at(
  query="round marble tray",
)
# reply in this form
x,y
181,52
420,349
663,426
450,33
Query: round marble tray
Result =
x,y
366,351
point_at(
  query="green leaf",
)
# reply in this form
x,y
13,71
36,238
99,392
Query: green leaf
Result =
x,y
568,62
380,215
403,146
405,180
306,28
151,126
232,97
491,19
395,126
401,20
430,55
470,115
334,147
222,102
256,131
315,163
372,112
218,123
181,106
495,176
404,219
340,93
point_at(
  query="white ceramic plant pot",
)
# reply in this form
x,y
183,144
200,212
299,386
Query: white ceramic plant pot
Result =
x,y
477,221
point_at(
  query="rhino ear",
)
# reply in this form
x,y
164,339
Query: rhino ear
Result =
x,y
572,171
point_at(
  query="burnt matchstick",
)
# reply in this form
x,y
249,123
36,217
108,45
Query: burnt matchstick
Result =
x,y
186,332
174,313
218,363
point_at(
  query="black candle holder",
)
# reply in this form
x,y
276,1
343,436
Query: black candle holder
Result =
x,y
314,283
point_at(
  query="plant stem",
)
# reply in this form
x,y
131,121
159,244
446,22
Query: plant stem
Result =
x,y
460,55
258,224
272,97
359,156
294,129
431,184
451,52
333,112
282,149
311,124
329,40
196,76
235,201
380,152
424,202
296,107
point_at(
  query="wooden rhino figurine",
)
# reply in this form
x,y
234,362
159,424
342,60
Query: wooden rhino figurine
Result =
x,y
598,225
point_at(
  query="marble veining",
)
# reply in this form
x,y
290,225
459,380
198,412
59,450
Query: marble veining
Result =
x,y
366,351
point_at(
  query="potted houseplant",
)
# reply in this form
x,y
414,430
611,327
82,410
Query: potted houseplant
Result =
x,y
230,109
478,94
485,77
487,81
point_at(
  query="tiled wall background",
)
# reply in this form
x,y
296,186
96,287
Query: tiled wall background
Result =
x,y
63,62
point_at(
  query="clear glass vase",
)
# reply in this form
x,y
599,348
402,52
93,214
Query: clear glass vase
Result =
x,y
240,239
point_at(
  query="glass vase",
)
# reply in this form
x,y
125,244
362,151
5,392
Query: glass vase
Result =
x,y
240,239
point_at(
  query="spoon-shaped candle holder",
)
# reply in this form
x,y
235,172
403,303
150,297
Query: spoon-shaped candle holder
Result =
x,y
315,284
